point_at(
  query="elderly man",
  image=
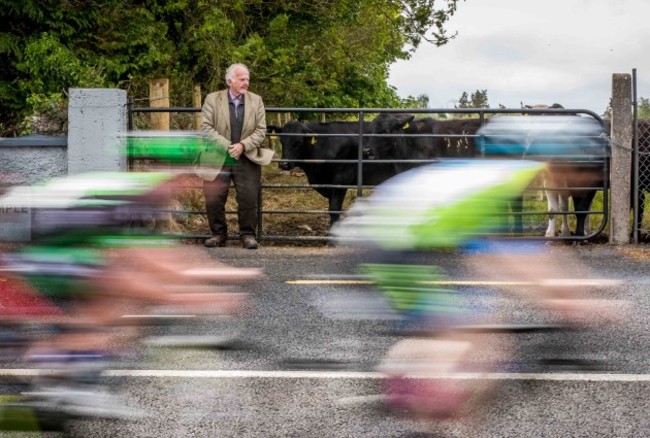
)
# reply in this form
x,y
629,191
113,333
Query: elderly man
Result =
x,y
234,120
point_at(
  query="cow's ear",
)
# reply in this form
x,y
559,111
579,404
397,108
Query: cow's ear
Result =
x,y
407,122
271,129
404,121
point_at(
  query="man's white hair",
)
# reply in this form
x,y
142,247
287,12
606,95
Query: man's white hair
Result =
x,y
230,72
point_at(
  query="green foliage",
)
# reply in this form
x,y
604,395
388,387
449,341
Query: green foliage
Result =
x,y
643,108
330,53
48,114
46,64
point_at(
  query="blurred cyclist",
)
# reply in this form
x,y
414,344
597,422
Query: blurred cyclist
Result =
x,y
99,262
460,205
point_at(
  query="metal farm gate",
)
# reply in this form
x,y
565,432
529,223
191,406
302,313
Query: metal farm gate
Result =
x,y
534,213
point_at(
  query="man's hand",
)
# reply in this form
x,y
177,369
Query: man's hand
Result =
x,y
235,150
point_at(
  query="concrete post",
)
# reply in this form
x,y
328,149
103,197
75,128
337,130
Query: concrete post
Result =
x,y
96,130
620,171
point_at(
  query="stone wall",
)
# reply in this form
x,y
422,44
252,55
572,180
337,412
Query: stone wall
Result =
x,y
95,141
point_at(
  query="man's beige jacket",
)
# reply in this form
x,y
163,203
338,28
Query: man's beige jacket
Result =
x,y
215,125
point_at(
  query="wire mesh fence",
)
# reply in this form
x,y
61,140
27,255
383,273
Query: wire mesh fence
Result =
x,y
643,177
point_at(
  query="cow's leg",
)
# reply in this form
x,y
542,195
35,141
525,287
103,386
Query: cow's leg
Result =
x,y
337,196
582,202
553,205
553,198
558,200
563,198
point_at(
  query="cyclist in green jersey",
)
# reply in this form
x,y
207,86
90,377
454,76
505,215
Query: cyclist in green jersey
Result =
x,y
106,271
459,206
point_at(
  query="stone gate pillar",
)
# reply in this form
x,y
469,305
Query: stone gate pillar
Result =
x,y
620,171
96,130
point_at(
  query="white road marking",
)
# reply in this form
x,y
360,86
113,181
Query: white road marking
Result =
x,y
593,282
261,374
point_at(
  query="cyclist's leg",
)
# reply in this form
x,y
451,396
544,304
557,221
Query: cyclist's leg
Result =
x,y
422,372
184,264
529,270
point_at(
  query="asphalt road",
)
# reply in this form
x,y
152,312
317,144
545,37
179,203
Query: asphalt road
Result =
x,y
305,361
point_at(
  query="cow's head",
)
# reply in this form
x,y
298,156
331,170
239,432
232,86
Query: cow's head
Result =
x,y
546,107
387,147
543,106
291,145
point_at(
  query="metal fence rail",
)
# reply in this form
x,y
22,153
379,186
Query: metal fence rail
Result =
x,y
360,116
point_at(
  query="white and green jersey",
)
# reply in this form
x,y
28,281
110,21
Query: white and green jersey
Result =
x,y
91,189
441,205
83,215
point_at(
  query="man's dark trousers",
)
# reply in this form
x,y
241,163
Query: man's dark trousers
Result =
x,y
246,177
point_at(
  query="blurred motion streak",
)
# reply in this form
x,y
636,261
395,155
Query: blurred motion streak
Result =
x,y
98,283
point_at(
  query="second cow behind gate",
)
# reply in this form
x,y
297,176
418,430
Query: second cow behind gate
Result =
x,y
401,136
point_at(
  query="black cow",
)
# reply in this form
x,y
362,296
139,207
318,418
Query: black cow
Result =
x,y
314,144
396,140
448,138
451,139
457,135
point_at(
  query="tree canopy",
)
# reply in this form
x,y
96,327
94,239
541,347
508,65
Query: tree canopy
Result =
x,y
478,99
303,53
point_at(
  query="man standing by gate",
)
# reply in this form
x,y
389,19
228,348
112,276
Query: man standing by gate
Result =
x,y
234,122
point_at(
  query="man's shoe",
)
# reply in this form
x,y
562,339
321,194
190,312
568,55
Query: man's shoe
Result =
x,y
248,242
215,241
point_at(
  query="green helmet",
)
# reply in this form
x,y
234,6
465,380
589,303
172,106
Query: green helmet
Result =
x,y
173,147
